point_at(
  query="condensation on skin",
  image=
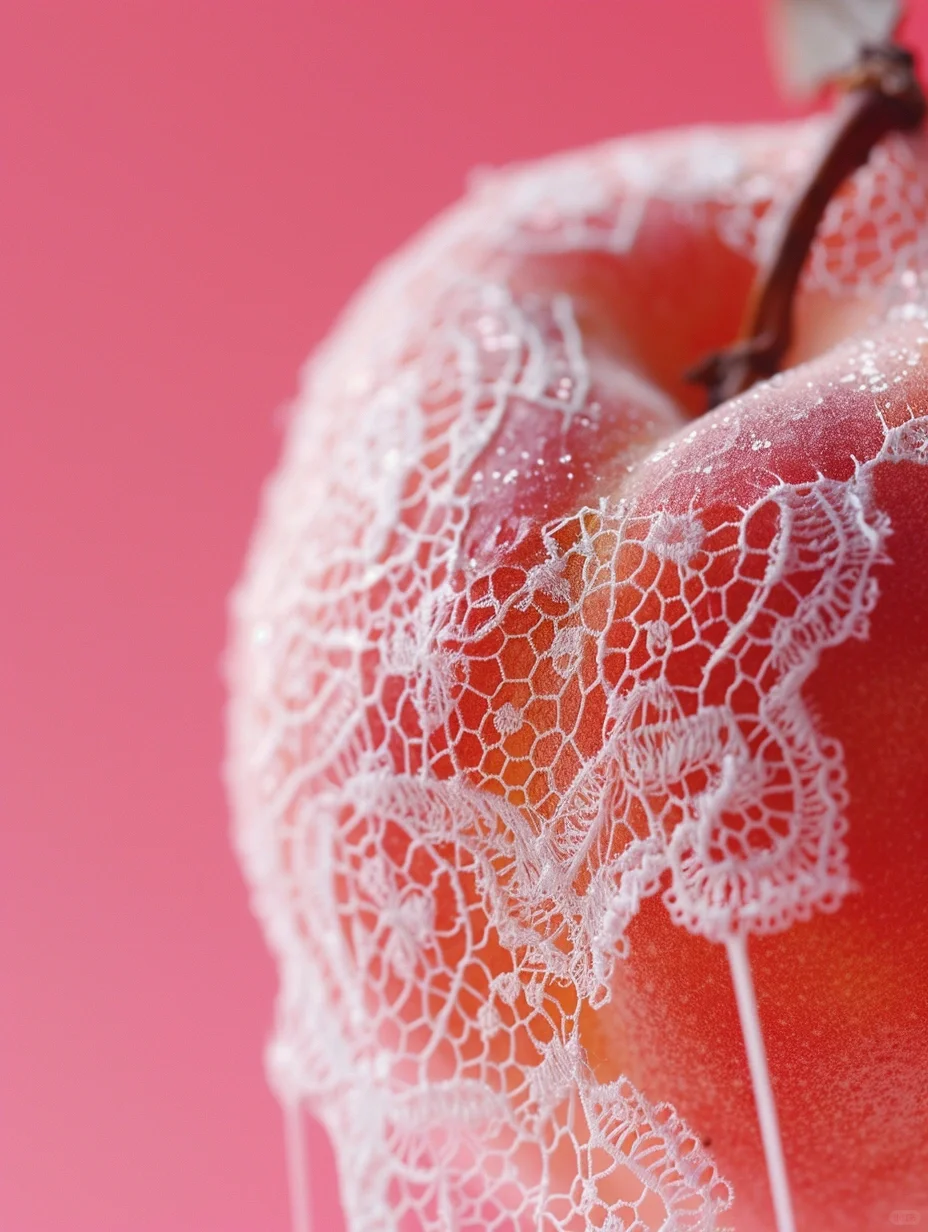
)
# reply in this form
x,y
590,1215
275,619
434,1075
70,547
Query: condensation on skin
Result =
x,y
443,899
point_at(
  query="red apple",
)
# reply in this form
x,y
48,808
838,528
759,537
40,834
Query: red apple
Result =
x,y
560,710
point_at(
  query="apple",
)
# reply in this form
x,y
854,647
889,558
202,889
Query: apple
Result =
x,y
577,737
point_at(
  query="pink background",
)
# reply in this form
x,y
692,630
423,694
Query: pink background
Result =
x,y
189,191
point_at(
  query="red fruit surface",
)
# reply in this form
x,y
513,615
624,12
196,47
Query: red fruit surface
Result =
x,y
548,691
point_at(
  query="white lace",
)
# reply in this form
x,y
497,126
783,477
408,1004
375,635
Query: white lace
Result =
x,y
463,752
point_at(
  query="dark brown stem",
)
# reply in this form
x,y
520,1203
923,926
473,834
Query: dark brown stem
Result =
x,y
883,94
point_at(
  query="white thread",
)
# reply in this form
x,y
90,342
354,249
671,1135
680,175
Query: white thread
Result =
x,y
760,1080
297,1169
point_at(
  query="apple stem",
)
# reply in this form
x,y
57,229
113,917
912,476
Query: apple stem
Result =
x,y
881,95
297,1167
743,982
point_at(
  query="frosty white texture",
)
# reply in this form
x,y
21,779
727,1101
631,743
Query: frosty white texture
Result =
x,y
437,935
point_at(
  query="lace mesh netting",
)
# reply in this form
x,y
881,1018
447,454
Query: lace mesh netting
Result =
x,y
457,774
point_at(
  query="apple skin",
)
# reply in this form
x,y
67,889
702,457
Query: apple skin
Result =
x,y
843,995
455,588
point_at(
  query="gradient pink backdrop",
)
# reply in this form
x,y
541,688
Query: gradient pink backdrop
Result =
x,y
189,192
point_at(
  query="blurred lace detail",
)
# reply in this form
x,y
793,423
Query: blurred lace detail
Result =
x,y
464,752
599,200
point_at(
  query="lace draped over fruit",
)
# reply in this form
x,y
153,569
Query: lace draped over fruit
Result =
x,y
470,737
